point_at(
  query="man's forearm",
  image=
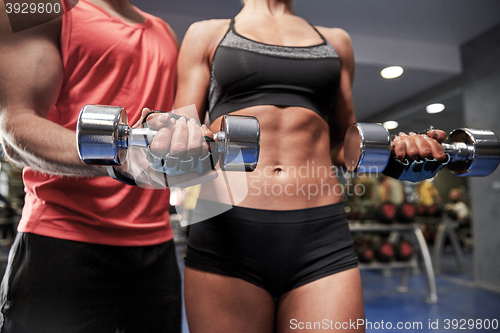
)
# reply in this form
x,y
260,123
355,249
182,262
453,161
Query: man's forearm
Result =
x,y
44,146
23,159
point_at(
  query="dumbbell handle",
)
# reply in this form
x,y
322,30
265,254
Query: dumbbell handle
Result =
x,y
458,151
142,137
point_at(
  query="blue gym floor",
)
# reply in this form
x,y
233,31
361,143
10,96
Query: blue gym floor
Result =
x,y
459,299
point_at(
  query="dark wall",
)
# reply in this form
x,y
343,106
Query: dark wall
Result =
x,y
478,87
481,81
451,93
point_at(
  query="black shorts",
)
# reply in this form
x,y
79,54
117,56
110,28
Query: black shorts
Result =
x,y
275,250
53,285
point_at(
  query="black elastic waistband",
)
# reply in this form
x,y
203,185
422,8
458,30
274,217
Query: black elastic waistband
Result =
x,y
278,216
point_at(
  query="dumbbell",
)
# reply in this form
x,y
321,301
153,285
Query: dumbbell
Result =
x,y
472,152
103,137
406,212
365,254
434,210
384,251
363,248
403,251
386,212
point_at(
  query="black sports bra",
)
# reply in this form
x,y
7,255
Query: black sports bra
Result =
x,y
247,73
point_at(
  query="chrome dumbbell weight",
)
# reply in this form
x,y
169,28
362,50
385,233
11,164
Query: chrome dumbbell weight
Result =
x,y
472,152
103,137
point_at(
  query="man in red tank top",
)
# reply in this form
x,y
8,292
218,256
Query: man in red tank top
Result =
x,y
92,254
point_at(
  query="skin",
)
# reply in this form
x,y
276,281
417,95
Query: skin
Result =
x,y
31,75
216,303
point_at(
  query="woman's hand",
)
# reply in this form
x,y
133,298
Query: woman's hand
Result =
x,y
178,138
417,157
420,146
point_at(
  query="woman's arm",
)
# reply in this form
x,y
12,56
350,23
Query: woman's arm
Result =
x,y
193,79
344,106
414,146
193,68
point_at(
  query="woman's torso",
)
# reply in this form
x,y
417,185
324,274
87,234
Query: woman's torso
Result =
x,y
295,168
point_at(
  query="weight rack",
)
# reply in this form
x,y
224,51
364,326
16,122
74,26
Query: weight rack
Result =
x,y
413,229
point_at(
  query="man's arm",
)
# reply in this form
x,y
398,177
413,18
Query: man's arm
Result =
x,y
31,75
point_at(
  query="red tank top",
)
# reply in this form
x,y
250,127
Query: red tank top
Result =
x,y
106,61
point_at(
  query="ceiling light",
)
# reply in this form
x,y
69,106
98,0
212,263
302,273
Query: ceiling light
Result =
x,y
435,108
391,72
391,124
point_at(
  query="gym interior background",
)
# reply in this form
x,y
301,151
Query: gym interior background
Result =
x,y
449,51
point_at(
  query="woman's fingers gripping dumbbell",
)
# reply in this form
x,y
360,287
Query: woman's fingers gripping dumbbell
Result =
x,y
164,124
177,137
435,138
418,147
